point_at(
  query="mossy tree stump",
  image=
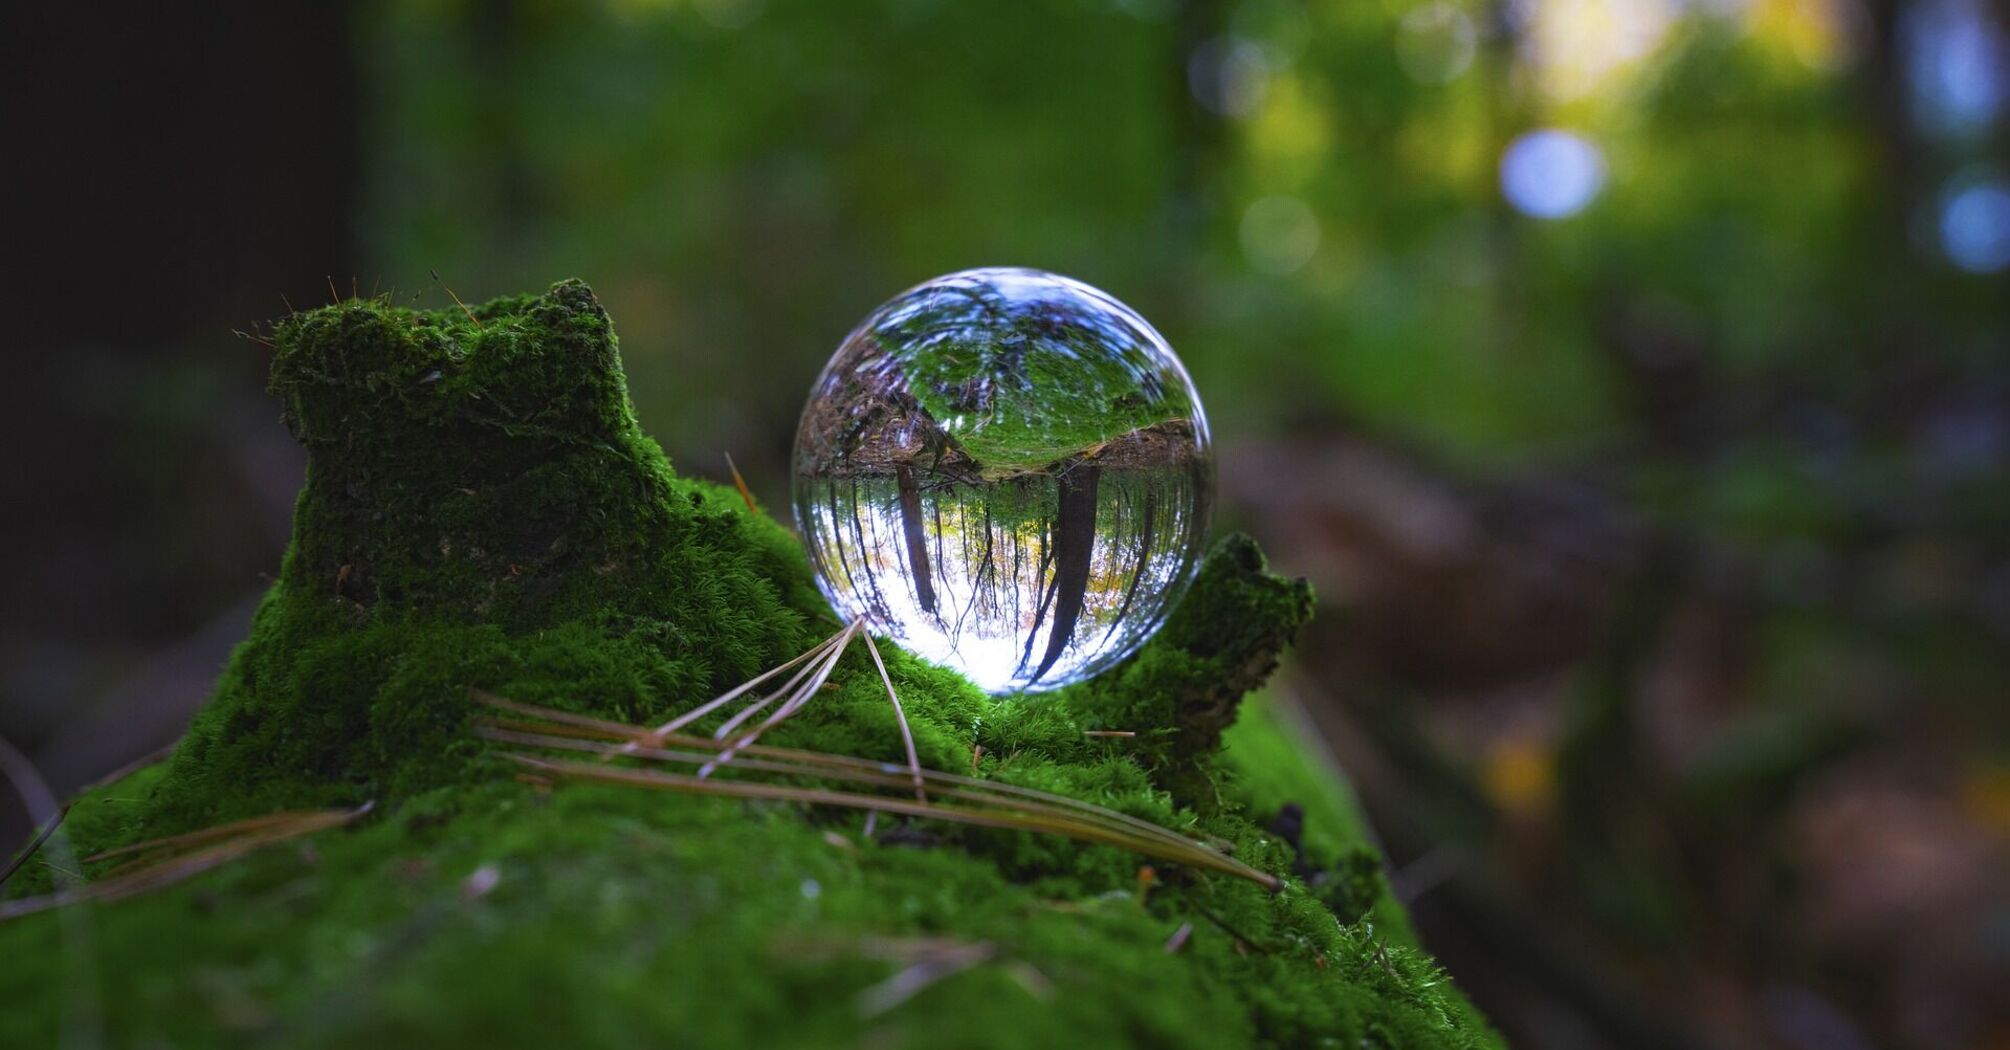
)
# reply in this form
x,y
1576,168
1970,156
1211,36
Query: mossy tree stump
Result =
x,y
483,511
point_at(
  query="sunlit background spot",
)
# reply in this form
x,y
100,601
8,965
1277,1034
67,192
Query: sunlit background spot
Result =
x,y
1821,35
1573,46
1551,174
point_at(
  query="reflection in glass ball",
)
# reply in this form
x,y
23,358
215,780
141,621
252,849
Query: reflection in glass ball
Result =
x,y
1007,472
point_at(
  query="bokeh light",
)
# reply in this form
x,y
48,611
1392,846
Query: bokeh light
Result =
x,y
1574,46
1229,75
1551,174
1975,226
1279,234
728,14
1436,42
1822,35
1956,57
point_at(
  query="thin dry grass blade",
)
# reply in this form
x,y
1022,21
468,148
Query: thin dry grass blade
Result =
x,y
794,703
786,689
900,715
615,730
204,835
743,688
1184,852
580,724
572,732
793,688
885,776
242,837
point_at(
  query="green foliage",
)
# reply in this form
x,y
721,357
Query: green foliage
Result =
x,y
482,511
1046,381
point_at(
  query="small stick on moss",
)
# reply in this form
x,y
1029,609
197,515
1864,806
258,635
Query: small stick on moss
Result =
x,y
932,967
741,484
456,299
1108,732
1240,940
924,961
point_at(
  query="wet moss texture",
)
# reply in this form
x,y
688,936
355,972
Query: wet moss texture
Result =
x,y
483,510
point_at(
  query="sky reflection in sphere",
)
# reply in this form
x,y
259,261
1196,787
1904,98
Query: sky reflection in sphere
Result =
x,y
1009,473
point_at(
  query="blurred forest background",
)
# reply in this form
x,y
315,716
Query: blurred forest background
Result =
x,y
1632,377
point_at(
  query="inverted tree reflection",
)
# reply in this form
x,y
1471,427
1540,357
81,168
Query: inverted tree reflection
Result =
x,y
1027,580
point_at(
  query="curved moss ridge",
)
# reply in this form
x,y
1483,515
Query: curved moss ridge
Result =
x,y
482,510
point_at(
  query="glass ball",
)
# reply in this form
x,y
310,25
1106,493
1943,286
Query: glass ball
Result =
x,y
1007,472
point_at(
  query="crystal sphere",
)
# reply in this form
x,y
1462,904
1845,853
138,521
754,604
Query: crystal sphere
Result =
x,y
1007,472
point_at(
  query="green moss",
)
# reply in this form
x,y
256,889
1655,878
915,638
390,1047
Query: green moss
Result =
x,y
1272,772
482,510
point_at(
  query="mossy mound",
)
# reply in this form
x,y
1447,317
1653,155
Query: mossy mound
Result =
x,y
482,510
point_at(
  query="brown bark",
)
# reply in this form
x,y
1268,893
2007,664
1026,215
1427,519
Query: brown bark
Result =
x,y
916,537
1074,541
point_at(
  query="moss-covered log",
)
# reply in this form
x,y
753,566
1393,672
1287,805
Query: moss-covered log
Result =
x,y
483,511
